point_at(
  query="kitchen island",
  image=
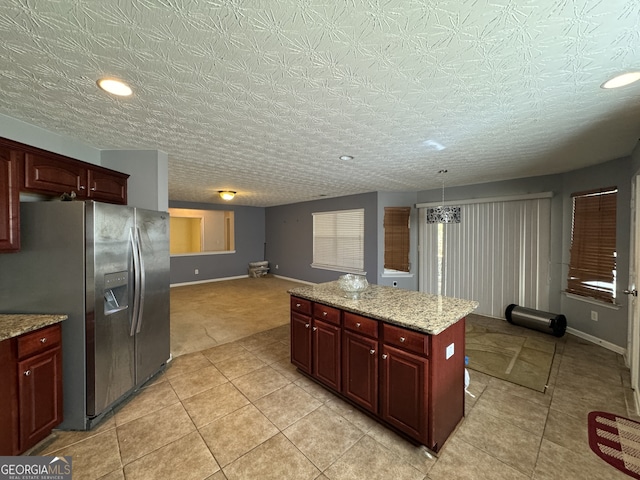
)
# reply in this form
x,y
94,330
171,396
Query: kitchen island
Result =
x,y
396,354
31,370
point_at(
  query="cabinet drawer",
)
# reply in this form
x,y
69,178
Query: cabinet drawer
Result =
x,y
328,314
408,340
38,341
362,325
301,306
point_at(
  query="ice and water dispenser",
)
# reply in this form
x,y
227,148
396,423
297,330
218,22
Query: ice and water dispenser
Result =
x,y
116,292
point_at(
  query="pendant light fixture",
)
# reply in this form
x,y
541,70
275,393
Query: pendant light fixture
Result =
x,y
443,213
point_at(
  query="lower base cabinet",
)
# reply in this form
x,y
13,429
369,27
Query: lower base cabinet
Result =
x,y
31,405
410,381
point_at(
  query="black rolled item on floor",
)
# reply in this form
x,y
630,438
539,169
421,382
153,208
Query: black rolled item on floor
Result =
x,y
545,322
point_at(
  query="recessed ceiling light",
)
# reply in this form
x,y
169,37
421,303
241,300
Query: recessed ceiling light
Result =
x,y
115,87
346,157
622,80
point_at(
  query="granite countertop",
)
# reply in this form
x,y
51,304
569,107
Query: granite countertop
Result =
x,y
419,311
14,324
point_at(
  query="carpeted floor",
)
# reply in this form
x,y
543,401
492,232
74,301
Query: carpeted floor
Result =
x,y
209,314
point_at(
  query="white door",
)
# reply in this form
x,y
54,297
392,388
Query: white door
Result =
x,y
634,306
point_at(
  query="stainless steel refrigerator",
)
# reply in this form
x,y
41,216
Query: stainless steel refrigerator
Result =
x,y
106,267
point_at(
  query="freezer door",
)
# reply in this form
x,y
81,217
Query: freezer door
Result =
x,y
152,329
110,347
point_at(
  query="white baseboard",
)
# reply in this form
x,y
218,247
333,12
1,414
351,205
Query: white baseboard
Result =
x,y
208,281
295,280
597,341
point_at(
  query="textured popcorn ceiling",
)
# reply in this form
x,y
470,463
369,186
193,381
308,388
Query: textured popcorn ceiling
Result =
x,y
263,96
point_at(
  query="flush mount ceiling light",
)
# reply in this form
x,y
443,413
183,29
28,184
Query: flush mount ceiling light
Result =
x,y
114,87
622,80
226,194
346,157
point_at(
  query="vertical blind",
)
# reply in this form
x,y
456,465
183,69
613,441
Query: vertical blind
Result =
x,y
396,238
338,240
498,255
592,264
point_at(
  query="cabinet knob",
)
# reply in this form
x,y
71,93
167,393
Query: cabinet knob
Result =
x,y
43,340
93,189
315,328
82,187
358,324
324,314
297,305
372,351
306,325
384,356
27,373
402,339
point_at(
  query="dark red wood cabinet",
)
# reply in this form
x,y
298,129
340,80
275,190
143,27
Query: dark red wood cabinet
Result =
x,y
31,406
315,341
56,175
360,361
9,200
410,381
28,169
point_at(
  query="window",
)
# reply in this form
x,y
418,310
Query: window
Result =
x,y
592,264
396,238
338,240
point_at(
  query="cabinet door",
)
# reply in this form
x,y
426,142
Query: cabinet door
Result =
x,y
404,392
9,201
301,341
360,370
107,186
326,353
54,175
40,396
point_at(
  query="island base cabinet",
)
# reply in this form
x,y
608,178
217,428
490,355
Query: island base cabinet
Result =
x,y
404,392
40,380
360,375
326,353
301,342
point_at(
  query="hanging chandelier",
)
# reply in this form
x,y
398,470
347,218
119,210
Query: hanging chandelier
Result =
x,y
443,213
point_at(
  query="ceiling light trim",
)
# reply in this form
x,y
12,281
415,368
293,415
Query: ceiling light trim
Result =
x,y
226,195
114,86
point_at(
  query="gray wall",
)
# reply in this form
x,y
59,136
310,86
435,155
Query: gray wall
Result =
x,y
249,242
394,199
289,237
612,323
149,176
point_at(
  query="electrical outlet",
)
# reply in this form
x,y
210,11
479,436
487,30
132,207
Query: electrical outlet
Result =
x,y
196,271
395,284
594,315
276,266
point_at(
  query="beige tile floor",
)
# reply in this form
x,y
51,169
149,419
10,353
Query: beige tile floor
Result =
x,y
239,410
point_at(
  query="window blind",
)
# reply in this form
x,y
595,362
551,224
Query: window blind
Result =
x,y
396,238
592,264
498,255
338,240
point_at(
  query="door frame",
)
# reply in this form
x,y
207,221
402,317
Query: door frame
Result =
x,y
633,336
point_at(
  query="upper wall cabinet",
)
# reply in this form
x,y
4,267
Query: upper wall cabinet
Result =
x,y
53,175
28,169
9,200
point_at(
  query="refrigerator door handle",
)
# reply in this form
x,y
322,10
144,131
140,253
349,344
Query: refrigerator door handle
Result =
x,y
136,281
141,279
